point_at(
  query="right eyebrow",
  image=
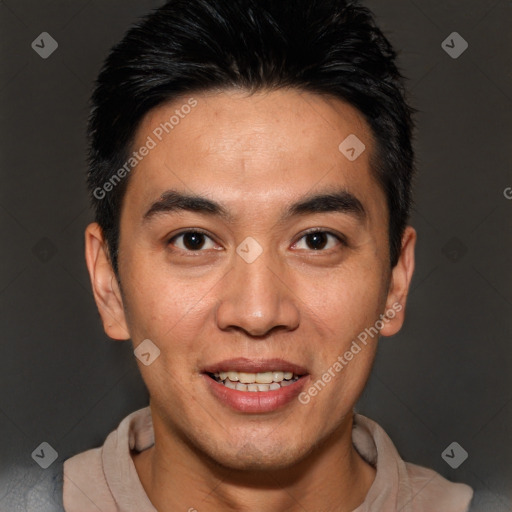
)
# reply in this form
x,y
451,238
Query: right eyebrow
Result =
x,y
172,200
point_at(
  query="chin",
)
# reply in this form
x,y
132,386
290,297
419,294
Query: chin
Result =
x,y
259,462
251,456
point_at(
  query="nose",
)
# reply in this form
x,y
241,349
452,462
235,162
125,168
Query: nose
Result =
x,y
257,298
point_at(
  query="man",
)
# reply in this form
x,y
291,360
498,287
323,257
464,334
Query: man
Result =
x,y
250,169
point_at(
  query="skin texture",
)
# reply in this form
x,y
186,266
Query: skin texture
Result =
x,y
254,154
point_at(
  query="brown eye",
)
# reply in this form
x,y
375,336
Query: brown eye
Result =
x,y
316,241
319,240
192,241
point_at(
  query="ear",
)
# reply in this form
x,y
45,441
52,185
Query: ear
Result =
x,y
104,284
400,281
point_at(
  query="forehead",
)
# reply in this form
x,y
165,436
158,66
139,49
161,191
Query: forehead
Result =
x,y
261,146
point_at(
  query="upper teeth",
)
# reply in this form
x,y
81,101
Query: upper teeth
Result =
x,y
258,378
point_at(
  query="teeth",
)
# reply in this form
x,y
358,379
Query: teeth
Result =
x,y
247,378
277,376
264,378
255,378
253,382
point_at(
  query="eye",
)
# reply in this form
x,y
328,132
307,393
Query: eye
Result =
x,y
192,241
318,240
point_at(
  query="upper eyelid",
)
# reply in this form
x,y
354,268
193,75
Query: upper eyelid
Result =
x,y
341,238
193,230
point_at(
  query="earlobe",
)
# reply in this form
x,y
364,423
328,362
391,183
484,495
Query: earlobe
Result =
x,y
401,277
104,284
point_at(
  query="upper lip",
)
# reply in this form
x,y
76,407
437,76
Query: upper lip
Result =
x,y
242,364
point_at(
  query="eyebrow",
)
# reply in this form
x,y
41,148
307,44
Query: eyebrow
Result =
x,y
328,201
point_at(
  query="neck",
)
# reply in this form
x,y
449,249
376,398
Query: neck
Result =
x,y
333,477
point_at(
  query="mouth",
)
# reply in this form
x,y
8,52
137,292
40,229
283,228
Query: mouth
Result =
x,y
255,386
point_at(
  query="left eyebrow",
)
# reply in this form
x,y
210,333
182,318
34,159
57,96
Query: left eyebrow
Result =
x,y
337,201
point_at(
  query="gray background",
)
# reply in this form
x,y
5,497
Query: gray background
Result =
x,y
446,377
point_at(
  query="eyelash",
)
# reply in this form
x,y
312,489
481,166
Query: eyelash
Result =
x,y
340,238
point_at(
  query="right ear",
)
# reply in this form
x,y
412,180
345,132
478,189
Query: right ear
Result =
x,y
104,284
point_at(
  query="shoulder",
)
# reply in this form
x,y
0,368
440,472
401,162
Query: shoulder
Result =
x,y
428,488
84,485
402,485
103,478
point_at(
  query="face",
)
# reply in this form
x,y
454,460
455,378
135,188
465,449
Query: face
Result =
x,y
276,264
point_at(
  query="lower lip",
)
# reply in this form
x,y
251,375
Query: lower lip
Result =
x,y
255,401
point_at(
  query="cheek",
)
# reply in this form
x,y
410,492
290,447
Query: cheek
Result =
x,y
346,308
336,387
160,310
166,308
348,301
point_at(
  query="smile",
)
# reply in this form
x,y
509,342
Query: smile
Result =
x,y
255,386
255,382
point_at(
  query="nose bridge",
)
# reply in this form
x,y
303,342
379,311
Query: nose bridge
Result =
x,y
255,298
257,279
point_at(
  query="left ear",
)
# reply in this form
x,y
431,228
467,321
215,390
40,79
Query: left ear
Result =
x,y
401,276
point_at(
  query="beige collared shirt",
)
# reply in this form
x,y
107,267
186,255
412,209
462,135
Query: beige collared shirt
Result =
x,y
105,479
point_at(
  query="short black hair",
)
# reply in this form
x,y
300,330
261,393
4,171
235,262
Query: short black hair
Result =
x,y
327,47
